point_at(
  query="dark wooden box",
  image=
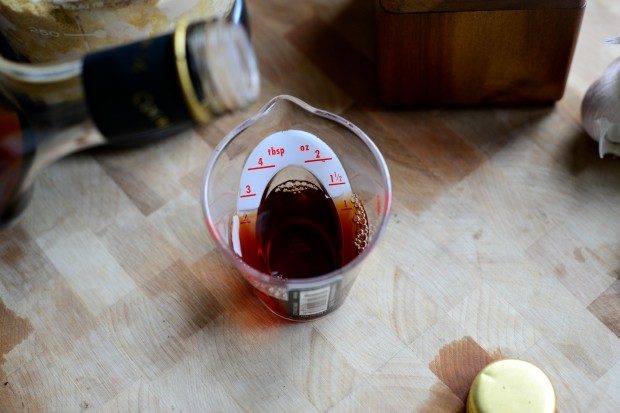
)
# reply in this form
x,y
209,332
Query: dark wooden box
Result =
x,y
465,52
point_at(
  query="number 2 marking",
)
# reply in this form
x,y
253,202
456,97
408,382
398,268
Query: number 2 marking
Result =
x,y
318,154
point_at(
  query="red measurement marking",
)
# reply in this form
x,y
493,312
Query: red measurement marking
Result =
x,y
261,167
245,222
247,195
318,160
346,209
337,183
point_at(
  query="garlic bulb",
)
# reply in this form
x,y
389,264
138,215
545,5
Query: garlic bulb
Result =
x,y
600,110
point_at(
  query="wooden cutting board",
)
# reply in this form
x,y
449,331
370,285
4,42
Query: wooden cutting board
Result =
x,y
503,242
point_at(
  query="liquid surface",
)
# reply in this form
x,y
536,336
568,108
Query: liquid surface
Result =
x,y
298,231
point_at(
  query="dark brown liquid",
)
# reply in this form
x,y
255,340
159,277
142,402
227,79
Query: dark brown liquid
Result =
x,y
11,162
300,232
24,124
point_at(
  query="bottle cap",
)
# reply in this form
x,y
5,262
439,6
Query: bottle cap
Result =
x,y
511,386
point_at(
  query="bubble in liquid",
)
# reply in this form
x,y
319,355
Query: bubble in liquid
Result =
x,y
362,235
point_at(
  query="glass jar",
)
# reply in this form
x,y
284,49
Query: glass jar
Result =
x,y
134,93
60,30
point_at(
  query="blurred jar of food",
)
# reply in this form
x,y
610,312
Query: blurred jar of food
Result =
x,y
40,31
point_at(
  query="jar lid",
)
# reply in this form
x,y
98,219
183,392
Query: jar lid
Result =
x,y
428,6
511,386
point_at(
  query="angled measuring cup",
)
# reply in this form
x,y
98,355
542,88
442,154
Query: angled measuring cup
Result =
x,y
296,198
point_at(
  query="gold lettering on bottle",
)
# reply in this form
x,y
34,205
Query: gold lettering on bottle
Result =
x,y
145,103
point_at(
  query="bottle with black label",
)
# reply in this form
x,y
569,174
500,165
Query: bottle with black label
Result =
x,y
135,93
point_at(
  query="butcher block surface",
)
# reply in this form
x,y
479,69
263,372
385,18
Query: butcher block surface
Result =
x,y
504,241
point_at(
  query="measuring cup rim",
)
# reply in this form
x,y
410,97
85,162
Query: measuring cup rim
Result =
x,y
263,111
39,72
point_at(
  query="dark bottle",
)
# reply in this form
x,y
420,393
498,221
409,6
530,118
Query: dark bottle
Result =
x,y
128,94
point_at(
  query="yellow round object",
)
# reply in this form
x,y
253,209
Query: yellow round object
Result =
x,y
511,386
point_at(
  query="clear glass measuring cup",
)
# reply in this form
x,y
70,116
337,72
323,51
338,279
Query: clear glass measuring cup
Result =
x,y
297,198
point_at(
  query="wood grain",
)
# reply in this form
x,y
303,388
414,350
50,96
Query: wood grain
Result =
x,y
503,242
472,57
425,6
